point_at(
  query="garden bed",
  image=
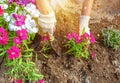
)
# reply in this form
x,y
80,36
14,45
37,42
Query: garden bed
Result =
x,y
103,68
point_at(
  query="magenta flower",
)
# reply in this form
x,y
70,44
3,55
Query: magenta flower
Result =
x,y
69,36
20,19
45,38
16,40
33,1
77,40
93,55
40,81
22,34
13,52
75,35
10,1
19,81
92,39
22,2
1,11
3,36
86,35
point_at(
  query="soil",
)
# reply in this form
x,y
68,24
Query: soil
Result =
x,y
104,68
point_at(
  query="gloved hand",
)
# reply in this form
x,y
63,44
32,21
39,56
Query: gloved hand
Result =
x,y
83,26
47,23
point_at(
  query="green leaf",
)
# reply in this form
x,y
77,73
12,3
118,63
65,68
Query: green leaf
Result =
x,y
3,53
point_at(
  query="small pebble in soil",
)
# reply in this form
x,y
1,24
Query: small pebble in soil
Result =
x,y
98,35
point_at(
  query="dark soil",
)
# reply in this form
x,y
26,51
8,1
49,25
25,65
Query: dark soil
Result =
x,y
104,68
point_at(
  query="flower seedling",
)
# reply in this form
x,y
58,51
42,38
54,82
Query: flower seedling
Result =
x,y
45,46
78,45
111,37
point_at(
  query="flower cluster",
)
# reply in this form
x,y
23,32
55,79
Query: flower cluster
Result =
x,y
1,11
79,39
78,45
21,35
45,38
21,17
3,36
17,28
21,2
13,52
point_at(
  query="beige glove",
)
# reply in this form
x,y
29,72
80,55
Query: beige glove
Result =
x,y
83,25
47,23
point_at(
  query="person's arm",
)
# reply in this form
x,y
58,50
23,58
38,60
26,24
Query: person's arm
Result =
x,y
87,7
85,16
44,6
47,17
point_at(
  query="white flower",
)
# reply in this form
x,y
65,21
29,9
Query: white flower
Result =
x,y
30,24
6,17
31,8
30,5
36,13
33,30
23,27
12,27
4,6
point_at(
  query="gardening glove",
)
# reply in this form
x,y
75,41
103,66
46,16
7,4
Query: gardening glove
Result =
x,y
83,25
47,23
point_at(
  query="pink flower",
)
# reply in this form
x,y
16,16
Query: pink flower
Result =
x,y
40,81
10,1
92,39
77,40
22,2
75,35
1,11
45,38
93,55
17,40
69,36
18,81
20,19
86,35
22,34
3,36
33,1
13,52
